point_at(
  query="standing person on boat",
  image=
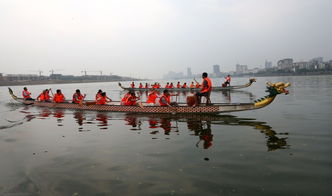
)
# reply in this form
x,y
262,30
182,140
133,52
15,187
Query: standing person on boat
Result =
x,y
227,80
58,97
152,98
165,99
140,85
178,85
184,85
78,97
205,90
103,99
132,85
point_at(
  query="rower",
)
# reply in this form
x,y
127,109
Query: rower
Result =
x,y
152,98
58,97
140,85
184,85
98,95
26,94
146,85
132,85
165,99
178,85
171,85
192,85
131,99
167,85
103,99
205,90
78,97
44,96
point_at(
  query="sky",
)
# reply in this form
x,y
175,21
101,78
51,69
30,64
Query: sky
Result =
x,y
148,38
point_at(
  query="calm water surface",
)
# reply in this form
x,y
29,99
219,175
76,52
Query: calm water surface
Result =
x,y
283,149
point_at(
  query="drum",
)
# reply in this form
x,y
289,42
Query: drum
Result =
x,y
191,100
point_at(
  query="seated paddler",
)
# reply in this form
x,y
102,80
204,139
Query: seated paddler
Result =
x,y
44,96
59,97
130,99
165,99
103,99
26,94
78,97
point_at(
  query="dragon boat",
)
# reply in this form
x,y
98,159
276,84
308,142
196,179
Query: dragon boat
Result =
x,y
182,108
218,88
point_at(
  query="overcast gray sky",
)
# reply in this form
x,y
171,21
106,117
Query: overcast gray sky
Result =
x,y
146,38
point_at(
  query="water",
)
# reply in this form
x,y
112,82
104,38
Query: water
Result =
x,y
282,149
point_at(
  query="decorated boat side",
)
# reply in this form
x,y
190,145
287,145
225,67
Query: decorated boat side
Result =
x,y
217,88
272,88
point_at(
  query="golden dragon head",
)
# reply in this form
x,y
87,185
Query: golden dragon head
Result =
x,y
277,88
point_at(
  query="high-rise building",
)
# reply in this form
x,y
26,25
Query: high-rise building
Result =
x,y
189,73
268,64
240,69
285,64
216,70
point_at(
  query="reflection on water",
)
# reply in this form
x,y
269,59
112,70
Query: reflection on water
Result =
x,y
200,125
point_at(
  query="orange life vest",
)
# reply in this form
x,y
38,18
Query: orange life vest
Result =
x,y
77,98
178,85
228,79
132,85
208,87
140,86
184,86
26,94
152,98
131,100
164,97
192,85
101,100
59,98
125,97
198,85
167,86
41,97
171,86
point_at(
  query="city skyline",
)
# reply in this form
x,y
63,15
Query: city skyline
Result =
x,y
148,38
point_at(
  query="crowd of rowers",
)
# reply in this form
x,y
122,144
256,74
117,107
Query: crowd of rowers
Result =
x,y
129,99
170,85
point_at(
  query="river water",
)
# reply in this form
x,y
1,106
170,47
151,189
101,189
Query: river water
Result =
x,y
282,149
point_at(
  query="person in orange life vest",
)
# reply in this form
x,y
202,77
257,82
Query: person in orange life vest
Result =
x,y
178,85
132,85
184,85
26,94
197,85
98,95
171,85
140,85
124,98
165,99
131,99
167,85
78,97
228,80
103,99
205,90
58,97
192,85
152,98
44,96
146,85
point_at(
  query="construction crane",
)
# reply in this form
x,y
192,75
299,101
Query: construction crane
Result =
x,y
39,72
53,70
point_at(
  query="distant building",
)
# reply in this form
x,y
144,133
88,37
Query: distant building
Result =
x,y
302,65
285,64
216,71
1,76
189,73
174,75
241,69
316,63
268,64
22,77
